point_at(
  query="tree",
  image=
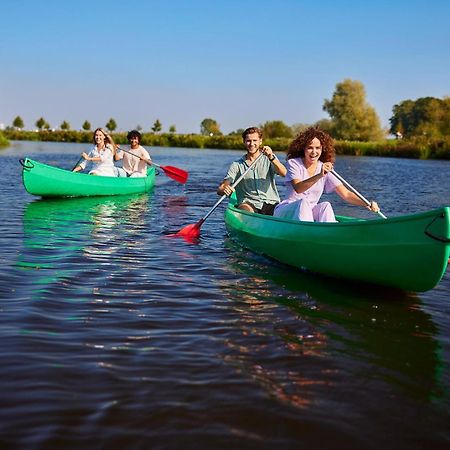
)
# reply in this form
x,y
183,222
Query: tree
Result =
x,y
172,129
65,126
40,123
351,116
209,127
297,128
111,125
275,129
325,125
18,123
86,125
157,126
426,116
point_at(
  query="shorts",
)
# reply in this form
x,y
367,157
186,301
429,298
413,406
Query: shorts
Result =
x,y
266,209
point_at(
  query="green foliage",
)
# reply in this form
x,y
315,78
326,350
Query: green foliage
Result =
x,y
276,129
420,147
426,116
3,141
352,117
86,125
65,125
297,128
18,123
111,125
172,129
209,127
41,123
157,126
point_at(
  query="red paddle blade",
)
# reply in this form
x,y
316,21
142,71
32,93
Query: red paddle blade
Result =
x,y
190,231
176,174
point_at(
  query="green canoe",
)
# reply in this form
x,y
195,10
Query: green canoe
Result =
x,y
408,252
49,181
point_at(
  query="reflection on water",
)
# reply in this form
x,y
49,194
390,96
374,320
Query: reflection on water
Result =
x,y
64,236
331,331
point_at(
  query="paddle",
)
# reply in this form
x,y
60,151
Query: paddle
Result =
x,y
349,186
193,231
172,172
78,162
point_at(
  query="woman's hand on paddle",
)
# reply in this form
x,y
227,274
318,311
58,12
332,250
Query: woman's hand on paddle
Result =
x,y
326,167
373,207
85,156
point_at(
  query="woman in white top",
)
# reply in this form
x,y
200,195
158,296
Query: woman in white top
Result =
x,y
101,156
310,159
135,161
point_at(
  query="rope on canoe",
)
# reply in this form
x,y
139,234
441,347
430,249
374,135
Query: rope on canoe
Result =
x,y
26,164
433,236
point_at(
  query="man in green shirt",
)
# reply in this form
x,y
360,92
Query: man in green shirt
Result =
x,y
257,191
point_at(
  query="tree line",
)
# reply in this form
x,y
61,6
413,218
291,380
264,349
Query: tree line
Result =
x,y
351,119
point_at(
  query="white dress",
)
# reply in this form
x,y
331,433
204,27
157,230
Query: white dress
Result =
x,y
104,167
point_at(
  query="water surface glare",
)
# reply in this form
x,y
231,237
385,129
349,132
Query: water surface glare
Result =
x,y
115,336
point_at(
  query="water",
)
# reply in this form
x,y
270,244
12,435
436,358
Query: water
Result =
x,y
115,336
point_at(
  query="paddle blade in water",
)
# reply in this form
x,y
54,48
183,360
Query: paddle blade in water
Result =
x,y
176,174
190,231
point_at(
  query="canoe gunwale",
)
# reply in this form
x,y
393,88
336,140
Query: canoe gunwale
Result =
x,y
407,252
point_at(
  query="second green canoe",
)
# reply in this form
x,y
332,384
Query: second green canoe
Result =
x,y
408,252
49,181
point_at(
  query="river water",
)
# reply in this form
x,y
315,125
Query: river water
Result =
x,y
115,336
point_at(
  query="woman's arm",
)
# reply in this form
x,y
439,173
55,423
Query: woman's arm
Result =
x,y
353,199
301,186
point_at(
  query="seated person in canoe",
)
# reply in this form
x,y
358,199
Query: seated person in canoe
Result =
x,y
310,159
257,191
134,161
101,156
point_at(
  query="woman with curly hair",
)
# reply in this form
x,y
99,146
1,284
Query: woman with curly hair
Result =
x,y
310,159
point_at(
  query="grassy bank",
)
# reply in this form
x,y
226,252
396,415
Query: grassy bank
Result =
x,y
3,141
437,148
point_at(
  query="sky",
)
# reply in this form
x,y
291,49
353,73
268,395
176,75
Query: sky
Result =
x,y
239,62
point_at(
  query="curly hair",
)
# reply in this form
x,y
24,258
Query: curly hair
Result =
x,y
134,133
301,142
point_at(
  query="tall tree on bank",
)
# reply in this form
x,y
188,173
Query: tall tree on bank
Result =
x,y
352,117
65,126
111,125
18,123
41,123
157,126
209,127
86,125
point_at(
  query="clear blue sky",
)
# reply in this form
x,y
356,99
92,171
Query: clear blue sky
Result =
x,y
236,61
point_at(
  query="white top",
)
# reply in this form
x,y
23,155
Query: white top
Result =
x,y
132,164
105,166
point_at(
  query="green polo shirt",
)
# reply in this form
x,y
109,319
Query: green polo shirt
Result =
x,y
258,185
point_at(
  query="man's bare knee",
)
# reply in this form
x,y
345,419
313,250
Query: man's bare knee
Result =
x,y
246,207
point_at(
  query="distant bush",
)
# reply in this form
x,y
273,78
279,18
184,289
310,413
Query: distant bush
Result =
x,y
3,141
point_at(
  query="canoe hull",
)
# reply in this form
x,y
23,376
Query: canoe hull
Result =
x,y
49,181
408,252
